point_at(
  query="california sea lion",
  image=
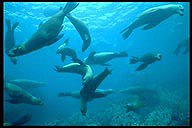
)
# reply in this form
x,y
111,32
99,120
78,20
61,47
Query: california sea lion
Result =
x,y
82,30
133,106
183,44
102,58
22,120
88,90
65,51
18,95
26,83
46,34
147,59
152,17
10,39
78,68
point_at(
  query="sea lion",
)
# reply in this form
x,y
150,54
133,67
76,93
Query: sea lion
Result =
x,y
78,68
183,44
152,17
147,59
46,34
18,95
82,30
26,83
65,51
133,106
10,39
22,120
102,58
88,90
99,93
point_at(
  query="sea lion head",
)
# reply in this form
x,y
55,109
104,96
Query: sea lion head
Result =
x,y
36,101
180,9
16,51
158,56
60,48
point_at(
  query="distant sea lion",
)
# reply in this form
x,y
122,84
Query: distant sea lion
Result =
x,y
65,51
78,68
183,44
46,34
26,83
18,95
22,120
152,17
10,39
147,59
102,58
82,30
134,106
88,90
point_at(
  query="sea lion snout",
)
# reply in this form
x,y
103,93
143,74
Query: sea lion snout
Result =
x,y
159,56
181,10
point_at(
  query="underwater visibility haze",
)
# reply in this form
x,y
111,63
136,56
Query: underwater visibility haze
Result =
x,y
96,63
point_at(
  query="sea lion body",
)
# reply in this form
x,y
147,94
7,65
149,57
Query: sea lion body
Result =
x,y
46,34
19,95
152,17
82,30
146,59
103,57
84,70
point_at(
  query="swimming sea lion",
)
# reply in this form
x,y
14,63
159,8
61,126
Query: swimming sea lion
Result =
x,y
26,83
46,34
82,30
102,58
183,44
10,39
147,59
78,68
152,17
18,95
134,106
65,51
22,120
88,90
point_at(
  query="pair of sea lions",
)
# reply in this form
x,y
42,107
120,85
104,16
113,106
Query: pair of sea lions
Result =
x,y
22,120
46,34
102,58
18,95
66,51
77,67
10,39
152,17
183,44
146,59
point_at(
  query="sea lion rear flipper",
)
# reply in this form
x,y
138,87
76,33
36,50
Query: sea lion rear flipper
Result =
x,y
63,57
142,66
83,106
126,32
70,6
22,120
149,26
15,25
8,23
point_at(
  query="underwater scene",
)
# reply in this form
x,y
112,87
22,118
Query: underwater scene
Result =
x,y
96,64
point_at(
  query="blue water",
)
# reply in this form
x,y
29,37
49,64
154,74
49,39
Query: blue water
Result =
x,y
105,21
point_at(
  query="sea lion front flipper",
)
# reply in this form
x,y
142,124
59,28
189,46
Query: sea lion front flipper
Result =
x,y
63,57
22,120
142,66
15,25
149,26
40,24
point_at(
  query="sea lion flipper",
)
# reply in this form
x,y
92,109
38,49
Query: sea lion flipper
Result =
x,y
70,6
58,68
92,54
63,57
22,120
142,66
8,23
15,25
76,60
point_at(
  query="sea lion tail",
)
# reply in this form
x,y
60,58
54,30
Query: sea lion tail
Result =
x,y
134,60
122,54
8,23
126,32
69,7
15,25
22,120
